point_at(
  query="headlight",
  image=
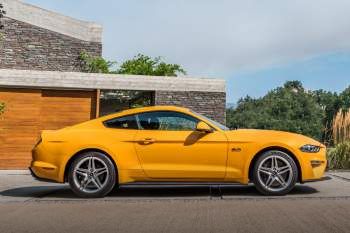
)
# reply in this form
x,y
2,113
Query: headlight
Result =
x,y
310,148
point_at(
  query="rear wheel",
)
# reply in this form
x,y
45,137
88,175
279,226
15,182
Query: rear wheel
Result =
x,y
275,173
92,175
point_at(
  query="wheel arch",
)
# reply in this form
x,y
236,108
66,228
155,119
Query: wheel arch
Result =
x,y
72,158
283,149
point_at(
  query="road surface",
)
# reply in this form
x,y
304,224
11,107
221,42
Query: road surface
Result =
x,y
29,206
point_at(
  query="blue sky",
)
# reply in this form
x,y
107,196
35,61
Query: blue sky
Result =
x,y
255,45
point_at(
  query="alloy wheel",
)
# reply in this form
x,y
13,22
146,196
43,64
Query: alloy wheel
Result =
x,y
90,175
275,173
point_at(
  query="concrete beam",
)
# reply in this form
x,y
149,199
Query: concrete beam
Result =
x,y
87,31
75,80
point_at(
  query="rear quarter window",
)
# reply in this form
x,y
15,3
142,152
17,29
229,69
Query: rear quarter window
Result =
x,y
126,122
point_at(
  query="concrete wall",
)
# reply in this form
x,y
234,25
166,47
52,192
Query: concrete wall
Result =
x,y
210,104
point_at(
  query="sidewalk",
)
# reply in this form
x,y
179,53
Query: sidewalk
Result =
x,y
345,174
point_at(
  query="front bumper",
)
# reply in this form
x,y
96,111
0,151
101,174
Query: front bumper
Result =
x,y
313,165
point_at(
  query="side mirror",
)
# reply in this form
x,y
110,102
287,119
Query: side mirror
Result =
x,y
203,127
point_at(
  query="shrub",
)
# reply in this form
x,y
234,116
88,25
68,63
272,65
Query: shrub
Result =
x,y
339,157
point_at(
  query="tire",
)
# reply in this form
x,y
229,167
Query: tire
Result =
x,y
273,180
92,175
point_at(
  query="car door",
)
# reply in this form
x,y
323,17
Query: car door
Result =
x,y
169,147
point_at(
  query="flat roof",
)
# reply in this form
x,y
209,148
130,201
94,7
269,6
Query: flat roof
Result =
x,y
10,78
24,12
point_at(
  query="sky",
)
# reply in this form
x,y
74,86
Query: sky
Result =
x,y
254,45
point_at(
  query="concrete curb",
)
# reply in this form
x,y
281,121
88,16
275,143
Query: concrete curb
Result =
x,y
14,172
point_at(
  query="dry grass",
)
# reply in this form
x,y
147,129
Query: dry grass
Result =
x,y
341,127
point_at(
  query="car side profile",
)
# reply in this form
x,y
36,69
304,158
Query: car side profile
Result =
x,y
171,144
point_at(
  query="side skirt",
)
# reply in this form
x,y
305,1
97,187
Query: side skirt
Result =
x,y
174,184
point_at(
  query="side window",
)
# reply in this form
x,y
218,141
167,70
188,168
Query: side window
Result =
x,y
127,122
167,120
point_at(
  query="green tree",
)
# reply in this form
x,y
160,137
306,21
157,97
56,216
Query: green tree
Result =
x,y
330,103
139,65
91,64
145,65
345,99
287,108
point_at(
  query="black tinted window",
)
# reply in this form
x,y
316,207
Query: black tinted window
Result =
x,y
167,120
127,122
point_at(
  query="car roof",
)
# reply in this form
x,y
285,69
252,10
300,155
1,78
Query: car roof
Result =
x,y
147,109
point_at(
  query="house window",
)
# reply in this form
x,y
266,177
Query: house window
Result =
x,y
112,101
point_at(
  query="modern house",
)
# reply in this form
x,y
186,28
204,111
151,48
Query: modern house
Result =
x,y
43,88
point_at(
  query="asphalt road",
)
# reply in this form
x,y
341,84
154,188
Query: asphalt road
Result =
x,y
28,206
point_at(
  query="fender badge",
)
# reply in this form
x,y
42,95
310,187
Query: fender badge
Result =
x,y
236,149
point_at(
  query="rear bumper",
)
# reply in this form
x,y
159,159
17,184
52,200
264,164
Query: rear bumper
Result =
x,y
43,171
45,165
39,178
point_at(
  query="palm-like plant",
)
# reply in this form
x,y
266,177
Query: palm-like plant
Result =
x,y
341,127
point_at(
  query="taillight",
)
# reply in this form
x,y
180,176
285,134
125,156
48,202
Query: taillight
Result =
x,y
38,142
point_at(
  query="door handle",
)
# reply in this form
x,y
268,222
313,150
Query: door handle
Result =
x,y
148,140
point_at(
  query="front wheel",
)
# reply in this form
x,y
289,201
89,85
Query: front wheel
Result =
x,y
275,173
92,175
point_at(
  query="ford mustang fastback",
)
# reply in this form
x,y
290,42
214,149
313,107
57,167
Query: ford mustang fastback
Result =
x,y
167,144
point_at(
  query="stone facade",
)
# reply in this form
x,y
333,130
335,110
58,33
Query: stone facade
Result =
x,y
210,104
25,46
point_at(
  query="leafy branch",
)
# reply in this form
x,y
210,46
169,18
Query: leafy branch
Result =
x,y
139,65
2,14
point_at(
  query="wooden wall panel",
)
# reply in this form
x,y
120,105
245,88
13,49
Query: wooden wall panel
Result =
x,y
30,111
18,126
65,108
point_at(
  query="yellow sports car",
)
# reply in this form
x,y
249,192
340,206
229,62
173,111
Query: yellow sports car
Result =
x,y
164,144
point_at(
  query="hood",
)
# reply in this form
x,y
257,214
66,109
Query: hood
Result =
x,y
270,136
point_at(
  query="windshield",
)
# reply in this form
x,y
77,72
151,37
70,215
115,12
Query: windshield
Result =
x,y
217,124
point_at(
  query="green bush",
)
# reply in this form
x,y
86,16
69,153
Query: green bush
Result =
x,y
339,157
2,107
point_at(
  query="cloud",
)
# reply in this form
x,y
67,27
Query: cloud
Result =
x,y
220,37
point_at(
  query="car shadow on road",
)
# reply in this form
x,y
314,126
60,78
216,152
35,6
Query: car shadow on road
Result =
x,y
153,192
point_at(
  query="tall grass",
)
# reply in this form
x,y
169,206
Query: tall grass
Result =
x,y
341,127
